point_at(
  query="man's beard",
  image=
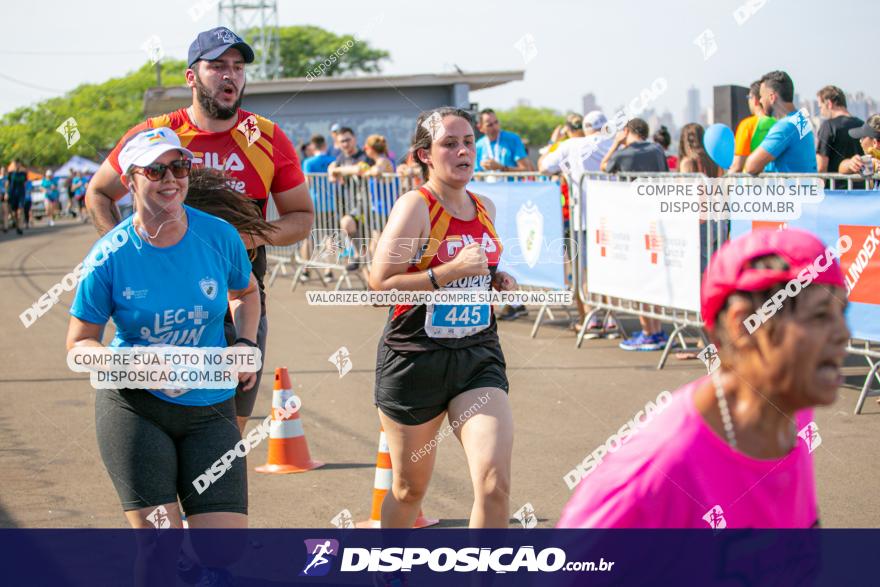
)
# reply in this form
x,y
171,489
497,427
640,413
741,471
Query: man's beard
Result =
x,y
214,108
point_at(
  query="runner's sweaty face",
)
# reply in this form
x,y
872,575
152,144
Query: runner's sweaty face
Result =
x,y
454,152
158,199
219,84
799,364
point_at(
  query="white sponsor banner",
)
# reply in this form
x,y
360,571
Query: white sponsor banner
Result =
x,y
637,254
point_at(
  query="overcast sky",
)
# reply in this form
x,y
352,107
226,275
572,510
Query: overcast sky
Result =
x,y
613,48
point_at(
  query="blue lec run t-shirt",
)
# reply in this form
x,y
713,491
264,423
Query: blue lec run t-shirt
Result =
x,y
792,144
174,295
507,150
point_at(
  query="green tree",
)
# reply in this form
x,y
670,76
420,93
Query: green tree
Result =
x,y
103,112
534,124
303,48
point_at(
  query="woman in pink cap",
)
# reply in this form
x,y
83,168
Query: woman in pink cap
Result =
x,y
733,449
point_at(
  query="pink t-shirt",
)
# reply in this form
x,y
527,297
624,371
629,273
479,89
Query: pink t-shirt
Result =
x,y
676,471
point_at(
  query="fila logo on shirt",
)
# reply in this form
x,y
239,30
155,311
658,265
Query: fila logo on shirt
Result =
x,y
455,243
208,159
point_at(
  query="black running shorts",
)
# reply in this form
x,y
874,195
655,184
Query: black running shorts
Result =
x,y
154,450
414,387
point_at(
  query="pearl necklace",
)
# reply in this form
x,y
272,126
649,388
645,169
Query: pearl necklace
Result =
x,y
724,409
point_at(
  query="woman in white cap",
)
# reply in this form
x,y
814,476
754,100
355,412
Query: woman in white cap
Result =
x,y
166,276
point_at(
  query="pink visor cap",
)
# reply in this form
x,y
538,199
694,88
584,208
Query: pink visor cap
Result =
x,y
729,271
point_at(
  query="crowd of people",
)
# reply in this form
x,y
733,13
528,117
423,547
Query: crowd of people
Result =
x,y
18,186
154,443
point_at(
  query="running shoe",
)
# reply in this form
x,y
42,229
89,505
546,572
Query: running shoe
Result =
x,y
655,342
513,312
595,323
645,342
612,330
634,343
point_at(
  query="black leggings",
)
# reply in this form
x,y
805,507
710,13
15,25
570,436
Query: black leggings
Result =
x,y
154,450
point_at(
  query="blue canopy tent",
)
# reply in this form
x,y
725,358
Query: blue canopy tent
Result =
x,y
76,163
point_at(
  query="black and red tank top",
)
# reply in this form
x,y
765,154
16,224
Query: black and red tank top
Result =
x,y
420,328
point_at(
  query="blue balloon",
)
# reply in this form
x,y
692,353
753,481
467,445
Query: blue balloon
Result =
x,y
718,142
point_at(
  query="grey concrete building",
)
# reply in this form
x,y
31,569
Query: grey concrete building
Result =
x,y
386,105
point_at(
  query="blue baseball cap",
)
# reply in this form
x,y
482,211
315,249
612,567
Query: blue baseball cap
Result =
x,y
213,43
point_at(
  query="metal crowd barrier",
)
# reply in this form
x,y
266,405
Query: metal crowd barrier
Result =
x,y
715,235
717,232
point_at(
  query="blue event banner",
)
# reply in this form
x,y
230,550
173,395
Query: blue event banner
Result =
x,y
541,557
528,220
856,214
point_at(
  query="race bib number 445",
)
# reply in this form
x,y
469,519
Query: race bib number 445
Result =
x,y
456,320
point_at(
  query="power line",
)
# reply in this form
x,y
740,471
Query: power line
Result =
x,y
32,86
77,53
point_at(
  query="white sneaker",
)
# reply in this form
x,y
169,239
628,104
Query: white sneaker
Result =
x,y
51,223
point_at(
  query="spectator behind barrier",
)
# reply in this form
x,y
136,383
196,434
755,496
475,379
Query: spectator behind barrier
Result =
x,y
834,142
580,153
631,151
694,158
869,138
751,130
789,147
352,160
663,138
499,150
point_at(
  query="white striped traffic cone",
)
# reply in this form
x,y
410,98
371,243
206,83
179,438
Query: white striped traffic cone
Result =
x,y
288,449
382,485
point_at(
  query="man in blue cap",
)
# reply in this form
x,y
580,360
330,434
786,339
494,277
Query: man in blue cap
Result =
x,y
253,151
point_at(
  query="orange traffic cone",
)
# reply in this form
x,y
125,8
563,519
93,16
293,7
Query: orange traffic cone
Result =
x,y
382,485
288,449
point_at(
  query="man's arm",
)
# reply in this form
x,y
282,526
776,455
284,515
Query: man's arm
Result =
x,y
739,161
524,164
758,160
101,195
823,146
296,218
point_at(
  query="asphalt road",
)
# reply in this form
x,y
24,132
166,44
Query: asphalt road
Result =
x,y
566,402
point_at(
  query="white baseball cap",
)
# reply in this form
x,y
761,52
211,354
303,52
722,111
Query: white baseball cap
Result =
x,y
595,119
145,147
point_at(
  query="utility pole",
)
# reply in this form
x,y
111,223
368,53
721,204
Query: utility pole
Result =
x,y
258,21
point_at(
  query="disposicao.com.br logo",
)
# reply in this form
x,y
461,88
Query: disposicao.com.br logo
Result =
x,y
322,552
320,555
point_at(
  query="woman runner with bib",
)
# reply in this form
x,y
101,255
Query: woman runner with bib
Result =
x,y
437,361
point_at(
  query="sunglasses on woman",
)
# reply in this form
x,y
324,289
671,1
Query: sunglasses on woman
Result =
x,y
156,171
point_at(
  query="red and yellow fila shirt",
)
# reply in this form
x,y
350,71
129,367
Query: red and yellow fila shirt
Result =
x,y
453,326
255,153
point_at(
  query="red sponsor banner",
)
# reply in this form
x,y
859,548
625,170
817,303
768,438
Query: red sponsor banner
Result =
x,y
861,269
759,224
